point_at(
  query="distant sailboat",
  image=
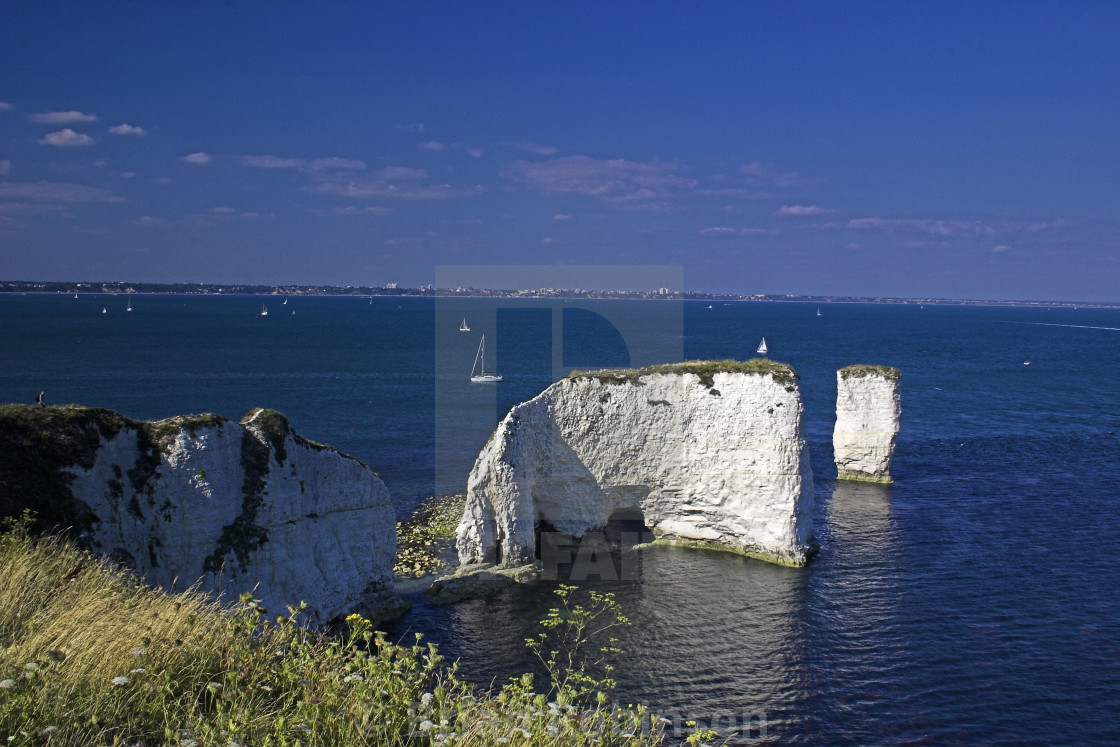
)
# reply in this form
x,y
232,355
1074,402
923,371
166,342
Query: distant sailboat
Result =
x,y
264,310
818,311
463,327
285,302
480,357
104,310
762,349
129,307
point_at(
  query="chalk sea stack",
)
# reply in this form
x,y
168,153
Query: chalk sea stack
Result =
x,y
867,422
707,452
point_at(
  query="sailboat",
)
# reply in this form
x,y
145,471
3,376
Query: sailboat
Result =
x,y
285,302
463,327
818,311
129,307
482,377
762,349
264,310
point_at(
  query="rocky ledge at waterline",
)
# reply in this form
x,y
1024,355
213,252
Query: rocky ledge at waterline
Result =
x,y
867,422
239,507
706,452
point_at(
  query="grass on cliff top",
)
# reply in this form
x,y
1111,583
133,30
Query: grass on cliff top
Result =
x,y
88,655
864,369
706,370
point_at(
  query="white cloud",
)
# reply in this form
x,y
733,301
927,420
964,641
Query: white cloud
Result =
x,y
936,227
433,145
43,191
61,117
272,162
148,221
5,167
561,216
394,181
127,174
618,182
476,152
727,232
540,150
768,175
345,164
797,211
999,248
66,138
303,164
548,240
222,210
199,159
127,129
372,210
5,106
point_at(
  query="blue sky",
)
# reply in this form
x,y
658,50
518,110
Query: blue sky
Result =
x,y
965,150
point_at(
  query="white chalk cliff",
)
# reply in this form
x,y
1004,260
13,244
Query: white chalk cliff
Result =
x,y
710,452
867,422
247,507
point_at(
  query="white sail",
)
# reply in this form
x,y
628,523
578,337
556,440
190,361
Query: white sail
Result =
x,y
762,349
463,327
481,377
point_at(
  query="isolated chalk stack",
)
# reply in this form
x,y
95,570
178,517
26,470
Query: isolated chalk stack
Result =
x,y
867,422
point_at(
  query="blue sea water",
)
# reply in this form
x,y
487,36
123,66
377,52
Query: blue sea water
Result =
x,y
975,600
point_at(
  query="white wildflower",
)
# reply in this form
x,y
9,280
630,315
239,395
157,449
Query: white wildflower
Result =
x,y
523,732
353,678
7,684
138,670
426,725
119,681
47,730
188,743
137,652
31,666
426,699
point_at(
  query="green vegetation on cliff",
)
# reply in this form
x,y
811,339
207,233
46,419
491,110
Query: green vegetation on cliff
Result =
x,y
706,370
90,656
861,370
39,445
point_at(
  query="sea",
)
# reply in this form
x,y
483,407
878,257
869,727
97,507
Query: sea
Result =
x,y
976,600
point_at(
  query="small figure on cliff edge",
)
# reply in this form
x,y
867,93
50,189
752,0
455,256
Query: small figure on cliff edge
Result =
x,y
39,399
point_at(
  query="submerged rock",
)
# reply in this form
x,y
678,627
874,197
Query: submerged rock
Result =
x,y
238,507
867,422
712,452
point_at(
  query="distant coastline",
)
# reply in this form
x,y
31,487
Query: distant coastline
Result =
x,y
427,291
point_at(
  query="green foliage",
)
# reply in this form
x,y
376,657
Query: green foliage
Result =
x,y
705,370
90,656
426,536
861,370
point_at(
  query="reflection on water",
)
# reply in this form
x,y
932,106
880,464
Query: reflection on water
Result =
x,y
712,630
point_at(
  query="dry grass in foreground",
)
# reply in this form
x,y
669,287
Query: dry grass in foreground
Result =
x,y
90,656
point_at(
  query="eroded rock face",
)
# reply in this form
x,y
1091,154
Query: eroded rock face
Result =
x,y
867,422
247,507
719,458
